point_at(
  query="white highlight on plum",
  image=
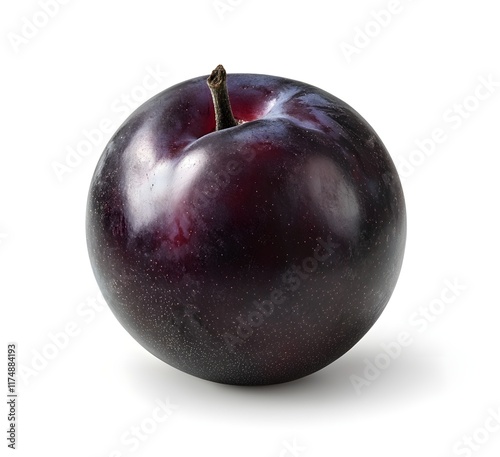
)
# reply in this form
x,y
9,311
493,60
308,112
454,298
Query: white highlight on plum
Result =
x,y
153,182
331,188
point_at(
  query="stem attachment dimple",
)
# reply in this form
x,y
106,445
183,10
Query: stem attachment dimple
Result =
x,y
224,117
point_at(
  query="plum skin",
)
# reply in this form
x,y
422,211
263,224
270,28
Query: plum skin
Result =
x,y
253,255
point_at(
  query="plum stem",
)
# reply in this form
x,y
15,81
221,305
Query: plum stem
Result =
x,y
223,114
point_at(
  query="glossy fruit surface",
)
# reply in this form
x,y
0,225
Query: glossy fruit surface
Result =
x,y
256,254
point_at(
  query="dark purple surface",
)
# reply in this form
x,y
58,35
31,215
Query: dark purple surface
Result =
x,y
189,229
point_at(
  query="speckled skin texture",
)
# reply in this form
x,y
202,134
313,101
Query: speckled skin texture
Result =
x,y
253,255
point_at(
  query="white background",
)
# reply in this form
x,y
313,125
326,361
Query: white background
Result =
x,y
68,74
